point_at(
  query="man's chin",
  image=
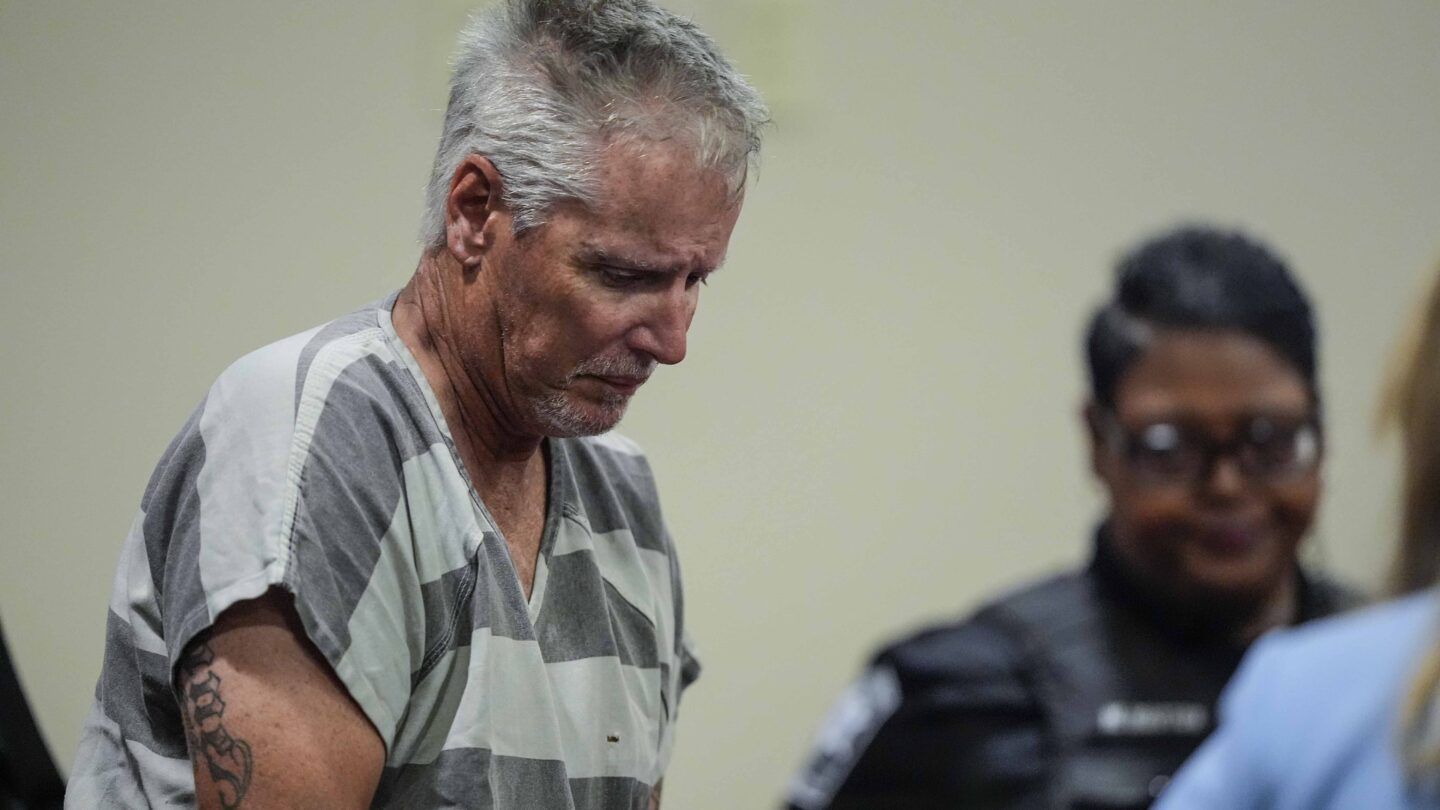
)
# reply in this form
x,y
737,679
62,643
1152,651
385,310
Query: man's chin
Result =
x,y
565,419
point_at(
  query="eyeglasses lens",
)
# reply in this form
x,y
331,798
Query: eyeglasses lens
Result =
x,y
1266,450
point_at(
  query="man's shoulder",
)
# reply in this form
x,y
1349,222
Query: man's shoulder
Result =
x,y
610,460
610,445
268,369
339,387
284,365
616,488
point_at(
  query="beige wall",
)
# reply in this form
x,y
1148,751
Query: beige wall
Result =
x,y
876,424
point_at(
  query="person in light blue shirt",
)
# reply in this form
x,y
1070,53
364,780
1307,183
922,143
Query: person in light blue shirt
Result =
x,y
1345,713
1310,721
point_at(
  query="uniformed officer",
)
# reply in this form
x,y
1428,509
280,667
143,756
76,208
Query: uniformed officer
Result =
x,y
1088,689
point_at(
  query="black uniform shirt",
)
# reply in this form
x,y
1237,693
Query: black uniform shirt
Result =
x,y
1079,692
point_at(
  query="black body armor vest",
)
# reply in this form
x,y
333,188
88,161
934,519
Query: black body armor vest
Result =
x,y
1128,691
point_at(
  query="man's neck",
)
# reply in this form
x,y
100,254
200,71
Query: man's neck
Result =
x,y
473,400
506,466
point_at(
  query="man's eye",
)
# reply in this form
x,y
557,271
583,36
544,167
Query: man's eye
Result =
x,y
697,278
616,277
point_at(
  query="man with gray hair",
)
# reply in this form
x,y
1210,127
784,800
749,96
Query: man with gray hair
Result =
x,y
398,560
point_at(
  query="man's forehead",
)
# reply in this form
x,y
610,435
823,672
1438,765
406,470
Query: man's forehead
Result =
x,y
656,208
632,152
635,167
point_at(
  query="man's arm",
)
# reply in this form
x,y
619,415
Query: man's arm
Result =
x,y
655,795
268,723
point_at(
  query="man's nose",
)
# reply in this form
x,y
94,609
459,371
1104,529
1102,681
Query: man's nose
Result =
x,y
662,334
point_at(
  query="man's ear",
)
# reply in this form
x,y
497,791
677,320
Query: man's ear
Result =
x,y
473,210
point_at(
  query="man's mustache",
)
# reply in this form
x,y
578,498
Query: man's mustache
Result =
x,y
622,366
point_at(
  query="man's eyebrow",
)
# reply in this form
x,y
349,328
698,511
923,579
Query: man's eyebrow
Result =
x,y
591,254
594,254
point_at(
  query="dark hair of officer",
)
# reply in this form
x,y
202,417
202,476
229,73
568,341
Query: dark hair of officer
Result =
x,y
1204,421
1200,278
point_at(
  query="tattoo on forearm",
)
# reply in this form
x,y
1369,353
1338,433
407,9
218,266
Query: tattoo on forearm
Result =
x,y
228,758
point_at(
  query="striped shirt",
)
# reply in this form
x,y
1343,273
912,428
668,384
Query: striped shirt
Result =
x,y
322,465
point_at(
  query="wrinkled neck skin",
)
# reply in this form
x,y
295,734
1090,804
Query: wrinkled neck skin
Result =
x,y
506,463
478,410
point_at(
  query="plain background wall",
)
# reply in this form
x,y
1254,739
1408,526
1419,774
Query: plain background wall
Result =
x,y
877,422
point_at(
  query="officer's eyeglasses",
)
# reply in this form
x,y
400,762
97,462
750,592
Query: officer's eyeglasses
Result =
x,y
1267,449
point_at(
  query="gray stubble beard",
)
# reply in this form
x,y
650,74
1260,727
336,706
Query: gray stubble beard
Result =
x,y
562,418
